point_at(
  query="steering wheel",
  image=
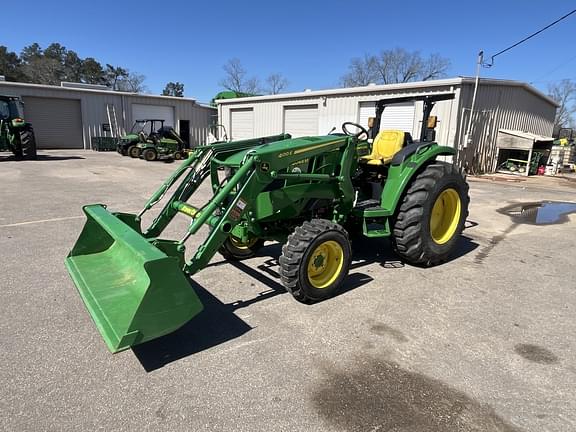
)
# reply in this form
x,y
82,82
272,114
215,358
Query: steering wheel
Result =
x,y
362,131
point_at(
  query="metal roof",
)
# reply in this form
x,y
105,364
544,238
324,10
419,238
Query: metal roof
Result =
x,y
526,135
390,87
89,90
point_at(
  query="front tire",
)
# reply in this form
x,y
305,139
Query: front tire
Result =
x,y
134,151
315,260
234,250
150,155
431,216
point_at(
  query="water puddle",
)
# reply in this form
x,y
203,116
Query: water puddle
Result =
x,y
540,213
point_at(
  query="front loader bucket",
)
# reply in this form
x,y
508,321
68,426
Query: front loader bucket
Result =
x,y
133,290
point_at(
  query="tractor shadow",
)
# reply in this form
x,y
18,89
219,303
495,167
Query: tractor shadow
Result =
x,y
215,325
218,323
380,251
40,158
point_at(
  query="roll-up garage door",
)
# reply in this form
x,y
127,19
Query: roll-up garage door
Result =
x,y
241,123
153,112
57,123
301,120
397,116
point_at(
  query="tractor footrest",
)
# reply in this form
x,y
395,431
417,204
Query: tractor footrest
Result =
x,y
366,204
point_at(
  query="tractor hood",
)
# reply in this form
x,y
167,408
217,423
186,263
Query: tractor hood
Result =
x,y
294,147
130,138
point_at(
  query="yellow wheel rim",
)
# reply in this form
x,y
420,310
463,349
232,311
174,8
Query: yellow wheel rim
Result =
x,y
445,216
325,264
237,243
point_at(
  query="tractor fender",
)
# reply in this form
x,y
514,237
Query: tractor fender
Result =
x,y
405,165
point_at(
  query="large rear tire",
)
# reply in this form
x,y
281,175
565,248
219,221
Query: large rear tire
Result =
x,y
315,260
431,216
28,143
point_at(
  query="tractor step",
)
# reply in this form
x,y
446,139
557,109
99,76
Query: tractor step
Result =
x,y
370,208
367,204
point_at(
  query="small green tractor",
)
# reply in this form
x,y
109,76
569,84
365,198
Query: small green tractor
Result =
x,y
312,194
16,135
150,139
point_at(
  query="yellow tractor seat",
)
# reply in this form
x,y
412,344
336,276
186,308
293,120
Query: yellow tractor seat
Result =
x,y
386,144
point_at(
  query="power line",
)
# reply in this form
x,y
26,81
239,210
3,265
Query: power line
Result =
x,y
526,38
557,68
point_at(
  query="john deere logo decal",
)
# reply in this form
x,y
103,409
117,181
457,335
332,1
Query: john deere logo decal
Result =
x,y
265,166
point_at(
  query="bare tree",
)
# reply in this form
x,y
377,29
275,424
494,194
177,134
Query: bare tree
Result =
x,y
362,71
564,93
276,83
394,66
252,86
132,82
236,79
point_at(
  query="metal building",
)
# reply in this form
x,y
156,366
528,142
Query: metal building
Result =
x,y
500,104
71,115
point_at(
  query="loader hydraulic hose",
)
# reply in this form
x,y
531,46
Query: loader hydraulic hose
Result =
x,y
202,215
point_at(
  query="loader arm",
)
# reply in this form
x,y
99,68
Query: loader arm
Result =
x,y
256,169
133,283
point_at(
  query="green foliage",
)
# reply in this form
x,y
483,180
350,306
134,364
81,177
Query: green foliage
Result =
x,y
10,65
56,63
173,89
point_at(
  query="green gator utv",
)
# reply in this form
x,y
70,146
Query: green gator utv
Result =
x,y
308,193
16,135
139,133
164,144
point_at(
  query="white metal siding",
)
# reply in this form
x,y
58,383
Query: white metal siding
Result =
x,y
333,110
301,120
160,112
57,123
93,108
242,123
499,107
397,116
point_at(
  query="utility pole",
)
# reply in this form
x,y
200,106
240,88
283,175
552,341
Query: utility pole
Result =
x,y
467,137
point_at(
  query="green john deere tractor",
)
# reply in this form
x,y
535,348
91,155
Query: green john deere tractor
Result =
x,y
308,193
164,144
16,135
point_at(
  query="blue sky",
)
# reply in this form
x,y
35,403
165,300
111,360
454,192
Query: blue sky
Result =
x,y
310,42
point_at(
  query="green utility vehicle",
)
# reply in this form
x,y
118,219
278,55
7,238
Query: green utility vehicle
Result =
x,y
143,131
16,135
164,144
308,193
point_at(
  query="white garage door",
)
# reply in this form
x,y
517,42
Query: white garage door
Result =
x,y
397,116
153,112
57,123
301,120
241,123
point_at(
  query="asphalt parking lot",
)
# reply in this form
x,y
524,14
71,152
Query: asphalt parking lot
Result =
x,y
485,342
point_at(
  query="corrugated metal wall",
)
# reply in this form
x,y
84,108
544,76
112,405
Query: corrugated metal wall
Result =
x,y
94,114
333,110
499,107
